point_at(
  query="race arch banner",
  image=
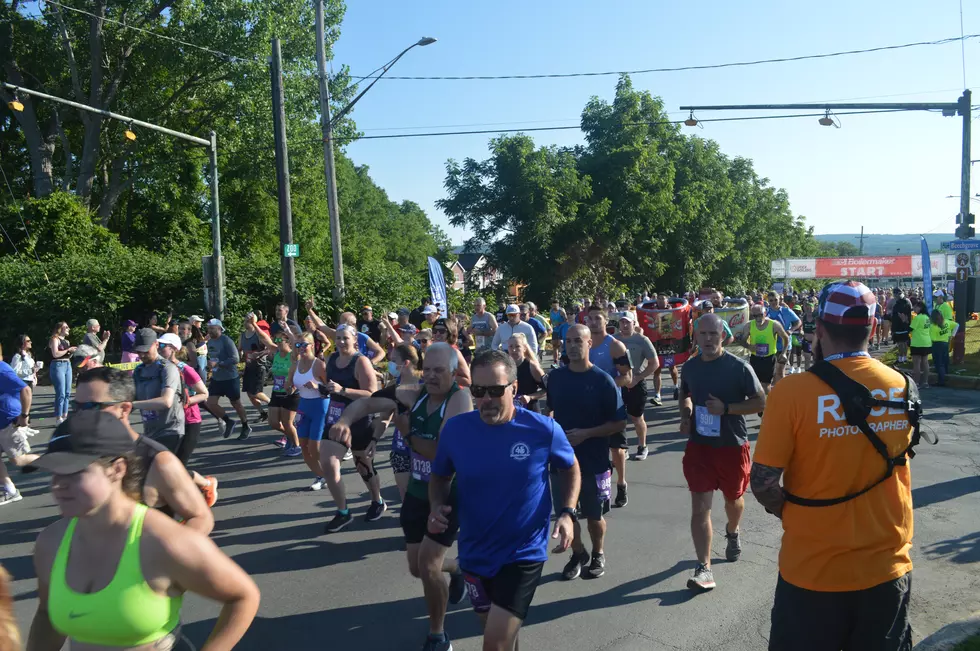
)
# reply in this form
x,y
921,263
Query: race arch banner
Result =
x,y
901,266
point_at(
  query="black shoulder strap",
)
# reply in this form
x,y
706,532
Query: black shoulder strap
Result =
x,y
857,402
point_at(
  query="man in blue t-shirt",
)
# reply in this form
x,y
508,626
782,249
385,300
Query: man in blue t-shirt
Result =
x,y
589,407
15,409
786,317
500,456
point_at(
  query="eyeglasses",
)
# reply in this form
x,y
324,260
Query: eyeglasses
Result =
x,y
88,406
439,331
301,344
495,391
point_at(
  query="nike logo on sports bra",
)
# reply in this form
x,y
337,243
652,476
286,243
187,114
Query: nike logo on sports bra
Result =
x,y
74,615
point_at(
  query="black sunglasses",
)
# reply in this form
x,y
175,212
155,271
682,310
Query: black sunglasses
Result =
x,y
495,391
440,331
88,406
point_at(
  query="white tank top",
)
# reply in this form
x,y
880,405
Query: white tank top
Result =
x,y
300,379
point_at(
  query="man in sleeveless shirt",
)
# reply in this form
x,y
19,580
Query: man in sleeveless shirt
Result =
x,y
422,412
483,325
611,355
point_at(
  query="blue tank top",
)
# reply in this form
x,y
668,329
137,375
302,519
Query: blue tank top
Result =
x,y
602,357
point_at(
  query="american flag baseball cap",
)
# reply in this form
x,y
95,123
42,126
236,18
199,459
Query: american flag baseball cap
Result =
x,y
847,303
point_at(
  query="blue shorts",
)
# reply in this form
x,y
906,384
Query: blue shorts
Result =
x,y
311,415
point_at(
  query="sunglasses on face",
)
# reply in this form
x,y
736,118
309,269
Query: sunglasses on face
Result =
x,y
301,345
277,340
88,406
495,391
439,331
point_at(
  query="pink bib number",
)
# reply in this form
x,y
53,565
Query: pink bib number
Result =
x,y
334,411
762,350
279,384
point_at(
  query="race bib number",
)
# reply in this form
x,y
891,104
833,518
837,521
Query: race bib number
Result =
x,y
479,598
668,361
149,415
762,350
708,424
298,419
603,483
334,411
279,384
421,467
398,443
481,341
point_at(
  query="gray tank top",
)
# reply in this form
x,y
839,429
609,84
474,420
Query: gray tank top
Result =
x,y
481,329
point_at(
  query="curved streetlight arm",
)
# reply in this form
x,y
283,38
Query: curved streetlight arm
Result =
x,y
344,111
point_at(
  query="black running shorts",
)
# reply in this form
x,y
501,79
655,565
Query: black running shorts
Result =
x,y
414,519
635,399
511,588
764,367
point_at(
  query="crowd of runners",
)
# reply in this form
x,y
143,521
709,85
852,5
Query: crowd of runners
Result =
x,y
505,431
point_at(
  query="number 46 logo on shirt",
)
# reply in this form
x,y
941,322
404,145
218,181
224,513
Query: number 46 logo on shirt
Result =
x,y
519,451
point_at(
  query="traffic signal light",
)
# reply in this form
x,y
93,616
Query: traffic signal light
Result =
x,y
966,230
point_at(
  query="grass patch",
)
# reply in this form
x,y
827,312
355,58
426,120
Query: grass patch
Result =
x,y
971,362
969,644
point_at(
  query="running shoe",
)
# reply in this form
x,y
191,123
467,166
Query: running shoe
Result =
x,y
375,510
641,453
263,416
348,455
656,400
6,497
318,484
457,587
339,522
677,393
436,644
573,569
32,432
734,549
280,442
246,430
292,452
703,580
211,490
621,497
229,427
598,566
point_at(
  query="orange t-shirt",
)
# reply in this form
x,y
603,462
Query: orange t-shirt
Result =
x,y
860,543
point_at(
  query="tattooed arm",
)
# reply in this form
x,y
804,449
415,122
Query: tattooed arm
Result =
x,y
766,488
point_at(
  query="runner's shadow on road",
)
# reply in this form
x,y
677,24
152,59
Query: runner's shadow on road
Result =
x,y
388,626
624,594
312,550
965,549
944,491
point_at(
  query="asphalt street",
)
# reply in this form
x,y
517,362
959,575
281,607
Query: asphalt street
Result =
x,y
353,590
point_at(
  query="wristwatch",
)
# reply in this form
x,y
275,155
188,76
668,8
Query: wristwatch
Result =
x,y
570,512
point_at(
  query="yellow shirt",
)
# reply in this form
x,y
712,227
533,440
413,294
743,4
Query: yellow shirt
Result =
x,y
860,543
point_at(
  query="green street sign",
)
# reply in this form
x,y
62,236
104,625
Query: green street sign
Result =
x,y
290,250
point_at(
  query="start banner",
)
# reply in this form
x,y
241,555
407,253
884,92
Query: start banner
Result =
x,y
900,266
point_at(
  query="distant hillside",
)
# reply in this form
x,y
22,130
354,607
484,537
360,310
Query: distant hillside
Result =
x,y
889,244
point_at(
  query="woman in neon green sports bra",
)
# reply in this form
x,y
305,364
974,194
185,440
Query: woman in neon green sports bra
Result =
x,y
112,573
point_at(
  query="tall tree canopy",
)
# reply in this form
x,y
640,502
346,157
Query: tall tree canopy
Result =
x,y
639,205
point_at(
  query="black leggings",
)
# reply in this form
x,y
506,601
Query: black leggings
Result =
x,y
192,432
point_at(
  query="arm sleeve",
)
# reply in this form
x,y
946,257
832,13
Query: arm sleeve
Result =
x,y
495,343
750,382
230,357
776,434
649,352
9,382
613,407
532,339
191,377
172,379
442,465
562,455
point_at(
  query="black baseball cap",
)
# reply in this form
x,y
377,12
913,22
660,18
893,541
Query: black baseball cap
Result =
x,y
146,338
83,439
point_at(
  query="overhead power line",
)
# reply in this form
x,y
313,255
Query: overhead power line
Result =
x,y
714,66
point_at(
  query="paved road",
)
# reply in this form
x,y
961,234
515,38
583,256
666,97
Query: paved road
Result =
x,y
352,590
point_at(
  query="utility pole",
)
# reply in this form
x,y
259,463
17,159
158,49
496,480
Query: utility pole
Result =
x,y
282,179
214,273
328,162
963,219
861,243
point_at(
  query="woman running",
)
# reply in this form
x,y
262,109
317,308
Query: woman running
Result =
x,y
60,371
349,376
530,376
112,573
320,342
444,330
306,375
404,365
283,405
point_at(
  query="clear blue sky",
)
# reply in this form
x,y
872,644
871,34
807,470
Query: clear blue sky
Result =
x,y
889,173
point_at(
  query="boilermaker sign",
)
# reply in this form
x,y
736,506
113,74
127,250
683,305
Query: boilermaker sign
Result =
x,y
882,267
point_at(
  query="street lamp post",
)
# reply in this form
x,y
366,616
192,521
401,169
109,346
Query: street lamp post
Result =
x,y
326,125
214,270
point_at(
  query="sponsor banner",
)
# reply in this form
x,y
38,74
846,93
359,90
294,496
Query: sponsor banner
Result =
x,y
777,268
936,262
866,267
801,268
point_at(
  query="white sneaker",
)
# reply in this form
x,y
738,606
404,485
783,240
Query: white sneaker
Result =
x,y
31,431
6,497
348,455
318,484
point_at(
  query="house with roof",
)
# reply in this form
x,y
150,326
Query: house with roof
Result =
x,y
472,264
